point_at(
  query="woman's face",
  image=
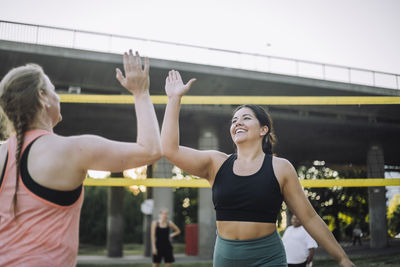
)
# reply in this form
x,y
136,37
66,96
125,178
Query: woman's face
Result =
x,y
246,127
52,102
163,215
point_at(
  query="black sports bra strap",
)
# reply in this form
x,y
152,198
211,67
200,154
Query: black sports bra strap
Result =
x,y
59,197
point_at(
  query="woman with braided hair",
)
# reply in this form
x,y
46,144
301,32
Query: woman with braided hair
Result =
x,y
41,190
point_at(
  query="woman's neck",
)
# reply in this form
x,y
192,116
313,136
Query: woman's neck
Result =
x,y
42,125
249,152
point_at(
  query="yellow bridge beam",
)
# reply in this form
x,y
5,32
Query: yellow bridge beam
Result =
x,y
168,182
239,100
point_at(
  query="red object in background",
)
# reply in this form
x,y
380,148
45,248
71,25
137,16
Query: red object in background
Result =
x,y
191,239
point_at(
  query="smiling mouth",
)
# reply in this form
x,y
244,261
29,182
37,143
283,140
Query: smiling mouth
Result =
x,y
240,131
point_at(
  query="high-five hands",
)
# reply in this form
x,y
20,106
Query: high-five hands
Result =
x,y
136,79
174,85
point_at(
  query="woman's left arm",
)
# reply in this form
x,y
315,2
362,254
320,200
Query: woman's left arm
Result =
x,y
176,229
299,204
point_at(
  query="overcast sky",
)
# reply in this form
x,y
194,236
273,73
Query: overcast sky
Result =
x,y
356,33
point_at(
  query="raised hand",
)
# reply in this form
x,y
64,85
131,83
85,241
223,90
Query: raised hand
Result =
x,y
136,79
174,85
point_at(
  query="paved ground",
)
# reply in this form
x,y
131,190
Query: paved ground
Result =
x,y
88,259
393,248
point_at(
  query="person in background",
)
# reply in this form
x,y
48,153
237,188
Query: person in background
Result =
x,y
42,173
357,234
248,186
299,245
161,239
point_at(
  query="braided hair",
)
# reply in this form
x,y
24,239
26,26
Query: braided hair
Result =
x,y
20,101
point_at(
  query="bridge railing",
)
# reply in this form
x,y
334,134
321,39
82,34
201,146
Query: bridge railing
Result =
x,y
112,43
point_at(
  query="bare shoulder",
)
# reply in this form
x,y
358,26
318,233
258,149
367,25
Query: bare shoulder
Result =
x,y
56,142
78,139
283,168
281,163
71,143
63,148
218,158
60,143
53,138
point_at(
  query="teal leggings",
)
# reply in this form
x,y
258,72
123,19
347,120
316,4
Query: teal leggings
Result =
x,y
266,251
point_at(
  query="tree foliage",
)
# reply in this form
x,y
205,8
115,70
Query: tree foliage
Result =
x,y
185,204
341,207
394,216
133,232
93,222
94,216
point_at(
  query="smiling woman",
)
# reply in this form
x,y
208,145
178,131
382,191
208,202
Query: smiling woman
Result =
x,y
248,187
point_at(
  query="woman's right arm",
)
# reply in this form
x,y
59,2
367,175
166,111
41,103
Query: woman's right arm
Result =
x,y
200,163
298,203
94,152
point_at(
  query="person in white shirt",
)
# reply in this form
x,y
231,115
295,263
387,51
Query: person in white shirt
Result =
x,y
299,245
357,234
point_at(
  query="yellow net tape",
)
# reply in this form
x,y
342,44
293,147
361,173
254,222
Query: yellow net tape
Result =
x,y
167,182
239,100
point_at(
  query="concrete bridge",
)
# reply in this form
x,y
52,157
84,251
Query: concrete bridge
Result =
x,y
335,134
367,136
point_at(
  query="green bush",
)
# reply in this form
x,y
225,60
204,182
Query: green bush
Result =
x,y
133,215
185,205
93,222
94,216
394,222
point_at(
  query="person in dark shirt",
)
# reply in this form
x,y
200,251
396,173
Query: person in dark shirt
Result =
x,y
248,186
161,239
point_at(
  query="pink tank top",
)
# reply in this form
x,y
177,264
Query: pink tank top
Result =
x,y
45,233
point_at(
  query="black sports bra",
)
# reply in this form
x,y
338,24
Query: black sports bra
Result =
x,y
62,198
253,198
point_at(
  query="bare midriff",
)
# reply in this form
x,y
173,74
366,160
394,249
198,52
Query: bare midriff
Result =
x,y
237,230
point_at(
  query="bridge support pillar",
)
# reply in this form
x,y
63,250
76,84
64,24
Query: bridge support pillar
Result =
x,y
115,220
377,198
163,196
206,214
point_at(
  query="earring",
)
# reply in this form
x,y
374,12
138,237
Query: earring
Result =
x,y
48,105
